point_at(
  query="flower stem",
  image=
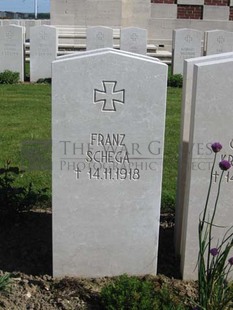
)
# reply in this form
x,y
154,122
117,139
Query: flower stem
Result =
x,y
212,220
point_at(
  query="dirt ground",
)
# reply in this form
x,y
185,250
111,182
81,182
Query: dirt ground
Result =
x,y
26,253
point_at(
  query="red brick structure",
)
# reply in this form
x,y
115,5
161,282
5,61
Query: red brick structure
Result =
x,y
193,11
216,2
190,11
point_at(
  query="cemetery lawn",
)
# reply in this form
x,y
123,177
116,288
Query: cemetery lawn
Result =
x,y
26,241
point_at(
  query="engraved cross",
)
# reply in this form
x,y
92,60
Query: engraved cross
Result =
x,y
188,38
100,36
134,36
220,39
109,96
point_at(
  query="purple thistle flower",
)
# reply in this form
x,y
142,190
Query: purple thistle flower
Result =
x,y
216,147
214,251
230,261
224,165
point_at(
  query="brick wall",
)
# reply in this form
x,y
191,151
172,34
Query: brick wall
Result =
x,y
190,11
193,11
216,2
231,13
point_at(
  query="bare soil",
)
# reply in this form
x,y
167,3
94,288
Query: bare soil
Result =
x,y
26,253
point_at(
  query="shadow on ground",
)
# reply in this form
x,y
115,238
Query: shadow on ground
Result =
x,y
26,245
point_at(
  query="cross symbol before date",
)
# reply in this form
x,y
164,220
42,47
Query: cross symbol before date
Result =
x,y
109,96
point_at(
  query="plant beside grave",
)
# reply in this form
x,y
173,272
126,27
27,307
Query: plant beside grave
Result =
x,y
127,292
4,282
175,80
214,263
9,77
15,199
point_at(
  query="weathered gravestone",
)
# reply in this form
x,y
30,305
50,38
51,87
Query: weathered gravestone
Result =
x,y
211,120
186,43
107,163
99,37
43,50
218,41
184,138
134,40
11,49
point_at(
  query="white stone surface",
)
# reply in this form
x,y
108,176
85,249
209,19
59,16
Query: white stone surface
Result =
x,y
43,50
99,37
28,24
134,40
11,49
160,10
102,51
107,224
103,12
218,41
186,43
191,2
135,13
8,22
216,12
184,138
211,120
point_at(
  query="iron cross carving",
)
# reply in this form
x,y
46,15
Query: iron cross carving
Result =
x,y
109,96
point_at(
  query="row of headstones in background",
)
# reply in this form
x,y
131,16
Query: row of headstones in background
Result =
x,y
43,50
107,162
206,118
187,43
44,46
26,23
132,39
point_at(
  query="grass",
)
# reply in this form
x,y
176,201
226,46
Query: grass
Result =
x,y
172,133
26,115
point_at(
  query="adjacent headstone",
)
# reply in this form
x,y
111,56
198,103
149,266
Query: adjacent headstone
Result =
x,y
218,41
12,49
211,120
134,40
43,50
99,37
107,163
184,139
28,24
186,43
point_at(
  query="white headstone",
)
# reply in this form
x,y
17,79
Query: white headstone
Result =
x,y
99,37
218,41
186,43
184,138
43,50
134,40
106,213
28,24
211,120
12,50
